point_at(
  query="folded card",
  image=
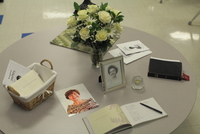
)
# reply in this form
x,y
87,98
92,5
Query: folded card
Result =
x,y
27,84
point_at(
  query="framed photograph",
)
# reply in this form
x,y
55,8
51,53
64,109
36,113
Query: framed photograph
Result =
x,y
112,74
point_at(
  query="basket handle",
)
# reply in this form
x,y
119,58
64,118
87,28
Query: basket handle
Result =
x,y
11,89
45,60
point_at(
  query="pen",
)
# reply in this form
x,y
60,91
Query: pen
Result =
x,y
151,108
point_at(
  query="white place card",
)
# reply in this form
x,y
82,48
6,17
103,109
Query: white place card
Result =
x,y
132,47
129,58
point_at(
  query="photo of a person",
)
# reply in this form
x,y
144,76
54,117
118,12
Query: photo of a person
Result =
x,y
76,99
112,71
18,77
113,77
79,105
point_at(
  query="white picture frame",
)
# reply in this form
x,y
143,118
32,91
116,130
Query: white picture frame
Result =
x,y
112,74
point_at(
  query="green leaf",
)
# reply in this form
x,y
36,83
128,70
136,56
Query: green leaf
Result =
x,y
76,38
121,16
94,24
103,6
74,44
113,14
76,6
119,13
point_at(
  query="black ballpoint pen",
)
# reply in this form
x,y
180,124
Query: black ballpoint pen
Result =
x,y
151,108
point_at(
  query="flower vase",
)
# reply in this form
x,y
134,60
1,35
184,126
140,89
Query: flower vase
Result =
x,y
96,56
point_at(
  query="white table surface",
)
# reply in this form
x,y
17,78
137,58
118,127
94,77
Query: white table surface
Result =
x,y
175,97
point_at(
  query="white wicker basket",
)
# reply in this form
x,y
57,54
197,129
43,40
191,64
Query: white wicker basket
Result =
x,y
48,75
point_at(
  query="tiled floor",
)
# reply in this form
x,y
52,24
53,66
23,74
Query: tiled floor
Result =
x,y
168,21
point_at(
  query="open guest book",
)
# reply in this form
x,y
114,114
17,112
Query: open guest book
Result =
x,y
114,118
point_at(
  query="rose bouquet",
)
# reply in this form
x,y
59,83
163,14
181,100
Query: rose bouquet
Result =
x,y
95,26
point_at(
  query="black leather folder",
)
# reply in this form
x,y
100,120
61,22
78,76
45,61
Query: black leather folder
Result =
x,y
164,68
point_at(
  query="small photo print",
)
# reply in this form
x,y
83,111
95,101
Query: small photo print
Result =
x,y
76,99
113,75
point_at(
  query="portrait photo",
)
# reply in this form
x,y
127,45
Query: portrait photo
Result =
x,y
76,99
112,73
113,76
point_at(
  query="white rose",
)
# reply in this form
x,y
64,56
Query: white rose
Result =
x,y
104,17
82,15
109,8
118,27
92,8
115,11
84,32
101,35
71,21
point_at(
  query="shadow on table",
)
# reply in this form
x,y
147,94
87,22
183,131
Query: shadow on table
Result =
x,y
139,91
28,118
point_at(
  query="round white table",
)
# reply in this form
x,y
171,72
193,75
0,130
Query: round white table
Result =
x,y
175,97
